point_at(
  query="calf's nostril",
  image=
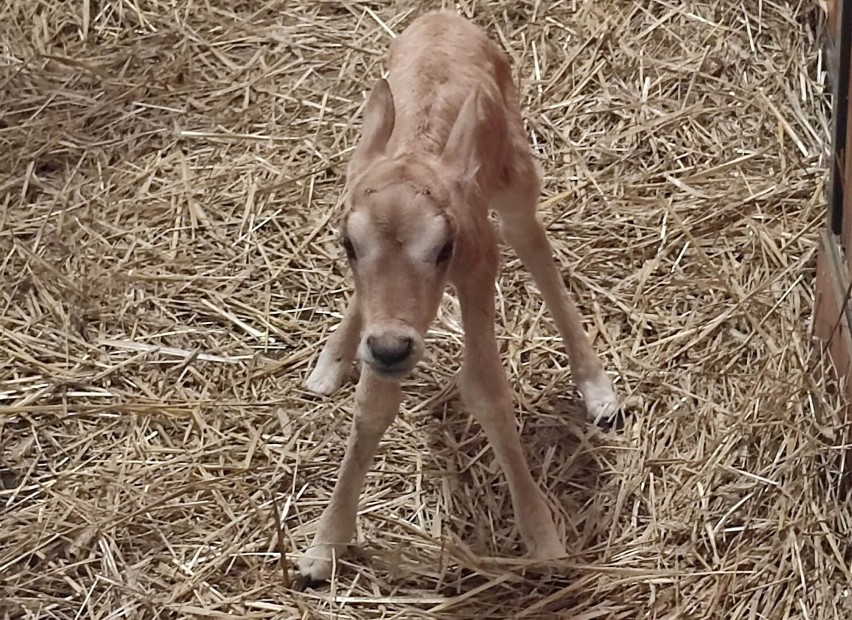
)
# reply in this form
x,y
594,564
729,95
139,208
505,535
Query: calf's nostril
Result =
x,y
390,350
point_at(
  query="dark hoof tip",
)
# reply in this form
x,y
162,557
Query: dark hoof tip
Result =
x,y
303,582
615,422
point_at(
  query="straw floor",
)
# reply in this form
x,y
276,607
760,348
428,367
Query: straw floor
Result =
x,y
168,171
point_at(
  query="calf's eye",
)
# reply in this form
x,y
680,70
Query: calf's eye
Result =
x,y
446,253
348,248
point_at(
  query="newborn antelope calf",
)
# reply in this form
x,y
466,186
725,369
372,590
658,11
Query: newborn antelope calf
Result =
x,y
442,142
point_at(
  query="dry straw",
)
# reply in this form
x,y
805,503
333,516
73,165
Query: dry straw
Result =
x,y
168,171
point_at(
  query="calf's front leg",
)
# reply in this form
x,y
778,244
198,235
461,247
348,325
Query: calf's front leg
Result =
x,y
376,406
485,390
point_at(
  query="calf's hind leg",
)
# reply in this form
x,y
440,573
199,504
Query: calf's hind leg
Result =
x,y
521,228
337,355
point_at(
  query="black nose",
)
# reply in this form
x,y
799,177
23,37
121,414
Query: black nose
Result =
x,y
389,350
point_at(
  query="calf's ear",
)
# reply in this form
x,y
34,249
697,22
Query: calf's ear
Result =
x,y
376,128
461,154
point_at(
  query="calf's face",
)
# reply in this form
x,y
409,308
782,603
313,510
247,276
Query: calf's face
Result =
x,y
399,242
399,233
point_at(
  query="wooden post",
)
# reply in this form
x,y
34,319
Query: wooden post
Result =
x,y
833,312
841,50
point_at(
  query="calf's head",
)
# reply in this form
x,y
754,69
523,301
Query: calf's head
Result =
x,y
400,234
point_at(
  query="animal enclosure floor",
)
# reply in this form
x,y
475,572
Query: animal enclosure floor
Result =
x,y
169,177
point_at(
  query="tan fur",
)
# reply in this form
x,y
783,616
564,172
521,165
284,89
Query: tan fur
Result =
x,y
442,142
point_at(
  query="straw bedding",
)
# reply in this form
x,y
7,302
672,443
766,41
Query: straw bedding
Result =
x,y
169,171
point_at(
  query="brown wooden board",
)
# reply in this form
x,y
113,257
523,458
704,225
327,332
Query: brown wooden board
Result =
x,y
832,323
831,18
833,315
830,40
